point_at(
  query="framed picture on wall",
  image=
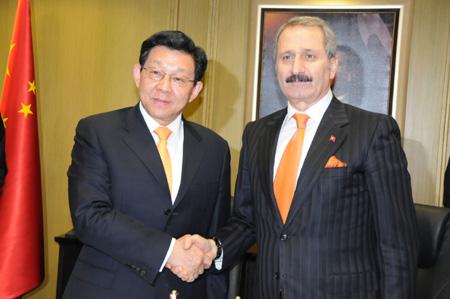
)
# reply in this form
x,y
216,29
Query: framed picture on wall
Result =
x,y
366,52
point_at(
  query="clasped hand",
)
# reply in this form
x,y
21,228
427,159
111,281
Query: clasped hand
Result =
x,y
191,255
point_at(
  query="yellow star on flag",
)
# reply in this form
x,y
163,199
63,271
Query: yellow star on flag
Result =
x,y
32,86
8,73
11,47
4,119
26,109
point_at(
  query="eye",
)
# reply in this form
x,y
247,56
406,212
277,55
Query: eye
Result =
x,y
178,80
310,57
156,73
287,57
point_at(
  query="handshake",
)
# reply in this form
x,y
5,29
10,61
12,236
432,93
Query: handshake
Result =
x,y
191,255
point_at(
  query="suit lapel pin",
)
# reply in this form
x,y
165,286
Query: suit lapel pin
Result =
x,y
333,138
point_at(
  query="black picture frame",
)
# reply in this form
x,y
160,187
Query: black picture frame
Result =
x,y
366,50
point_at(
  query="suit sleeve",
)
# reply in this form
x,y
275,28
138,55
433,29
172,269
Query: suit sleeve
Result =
x,y
239,233
391,199
217,284
97,223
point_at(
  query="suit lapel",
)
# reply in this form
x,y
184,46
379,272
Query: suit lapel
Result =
x,y
322,148
193,150
266,156
140,141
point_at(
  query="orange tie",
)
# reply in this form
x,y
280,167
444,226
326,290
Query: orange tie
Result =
x,y
286,177
163,134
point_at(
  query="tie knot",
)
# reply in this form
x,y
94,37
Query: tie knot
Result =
x,y
301,120
163,133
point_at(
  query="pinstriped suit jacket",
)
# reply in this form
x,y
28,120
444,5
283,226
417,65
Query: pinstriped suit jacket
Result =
x,y
350,232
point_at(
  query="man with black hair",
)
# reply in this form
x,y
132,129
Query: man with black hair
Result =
x,y
141,177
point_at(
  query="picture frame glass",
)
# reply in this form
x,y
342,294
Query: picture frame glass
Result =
x,y
366,53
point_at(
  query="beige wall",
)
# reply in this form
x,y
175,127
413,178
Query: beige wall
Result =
x,y
85,49
428,103
84,53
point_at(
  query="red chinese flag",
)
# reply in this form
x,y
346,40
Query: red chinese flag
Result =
x,y
21,237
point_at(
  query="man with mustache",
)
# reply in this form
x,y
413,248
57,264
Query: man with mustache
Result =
x,y
323,188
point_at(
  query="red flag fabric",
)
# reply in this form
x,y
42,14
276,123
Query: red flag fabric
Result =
x,y
21,233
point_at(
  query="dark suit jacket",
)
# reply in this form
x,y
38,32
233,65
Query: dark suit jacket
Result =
x,y
122,211
350,232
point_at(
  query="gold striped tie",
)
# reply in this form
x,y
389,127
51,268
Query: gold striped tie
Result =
x,y
163,134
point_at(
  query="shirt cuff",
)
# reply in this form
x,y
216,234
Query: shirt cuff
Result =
x,y
218,262
169,252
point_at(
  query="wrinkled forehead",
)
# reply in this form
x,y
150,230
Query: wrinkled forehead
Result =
x,y
300,36
170,59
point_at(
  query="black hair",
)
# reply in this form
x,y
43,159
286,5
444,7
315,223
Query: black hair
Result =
x,y
176,40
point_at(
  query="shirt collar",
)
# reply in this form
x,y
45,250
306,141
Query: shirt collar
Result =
x,y
315,112
175,126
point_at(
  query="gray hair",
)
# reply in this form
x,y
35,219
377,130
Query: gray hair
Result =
x,y
330,36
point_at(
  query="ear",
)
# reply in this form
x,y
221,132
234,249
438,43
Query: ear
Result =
x,y
333,67
195,91
137,74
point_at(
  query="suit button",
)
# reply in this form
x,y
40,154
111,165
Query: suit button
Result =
x,y
277,275
167,212
142,272
283,237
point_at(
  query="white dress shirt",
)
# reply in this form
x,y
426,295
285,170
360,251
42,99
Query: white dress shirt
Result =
x,y
175,148
289,127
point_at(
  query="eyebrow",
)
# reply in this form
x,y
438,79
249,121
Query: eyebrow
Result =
x,y
300,51
160,64
313,50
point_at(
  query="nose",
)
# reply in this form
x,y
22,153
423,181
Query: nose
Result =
x,y
164,84
298,65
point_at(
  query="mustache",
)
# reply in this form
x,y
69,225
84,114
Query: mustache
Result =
x,y
299,78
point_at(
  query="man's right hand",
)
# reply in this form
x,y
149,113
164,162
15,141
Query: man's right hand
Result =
x,y
208,246
191,255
